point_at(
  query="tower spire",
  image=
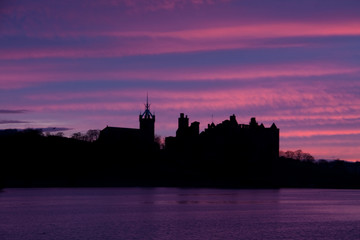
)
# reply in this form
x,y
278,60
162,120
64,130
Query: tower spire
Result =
x,y
147,105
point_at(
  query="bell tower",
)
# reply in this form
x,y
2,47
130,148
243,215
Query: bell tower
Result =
x,y
147,122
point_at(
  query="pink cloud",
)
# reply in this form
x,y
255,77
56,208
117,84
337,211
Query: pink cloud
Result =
x,y
296,104
17,76
172,99
249,31
131,47
311,133
128,43
291,116
44,16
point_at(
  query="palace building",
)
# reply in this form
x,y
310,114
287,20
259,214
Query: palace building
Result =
x,y
251,141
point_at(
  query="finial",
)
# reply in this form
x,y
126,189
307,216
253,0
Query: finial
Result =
x,y
147,105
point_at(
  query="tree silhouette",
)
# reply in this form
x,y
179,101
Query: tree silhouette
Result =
x,y
160,141
92,135
59,134
297,155
78,136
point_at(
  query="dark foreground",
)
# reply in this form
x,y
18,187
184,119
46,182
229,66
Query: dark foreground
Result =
x,y
32,160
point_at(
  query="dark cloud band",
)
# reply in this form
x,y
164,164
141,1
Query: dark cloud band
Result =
x,y
11,121
8,111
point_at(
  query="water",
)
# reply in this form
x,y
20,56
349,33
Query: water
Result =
x,y
169,213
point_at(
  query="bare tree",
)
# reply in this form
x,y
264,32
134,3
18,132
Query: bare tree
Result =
x,y
59,134
298,155
307,157
289,154
92,135
160,141
78,136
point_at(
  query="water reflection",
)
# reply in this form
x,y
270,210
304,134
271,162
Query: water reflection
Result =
x,y
161,213
211,197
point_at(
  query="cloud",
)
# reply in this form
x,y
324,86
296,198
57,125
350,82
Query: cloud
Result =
x,y
115,43
311,133
156,5
253,31
12,121
55,129
20,76
10,111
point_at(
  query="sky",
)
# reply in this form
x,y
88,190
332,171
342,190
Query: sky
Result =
x,y
77,65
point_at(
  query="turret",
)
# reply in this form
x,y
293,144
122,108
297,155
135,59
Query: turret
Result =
x,y
253,123
183,125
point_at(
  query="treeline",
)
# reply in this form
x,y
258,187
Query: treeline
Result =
x,y
297,155
298,169
31,158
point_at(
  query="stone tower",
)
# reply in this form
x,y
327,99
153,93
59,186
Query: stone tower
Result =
x,y
147,123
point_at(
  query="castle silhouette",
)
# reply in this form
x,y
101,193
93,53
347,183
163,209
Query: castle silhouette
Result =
x,y
224,155
227,139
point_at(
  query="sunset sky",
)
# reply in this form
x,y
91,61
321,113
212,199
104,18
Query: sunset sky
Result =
x,y
84,64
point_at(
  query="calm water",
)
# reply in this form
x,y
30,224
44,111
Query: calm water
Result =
x,y
162,213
